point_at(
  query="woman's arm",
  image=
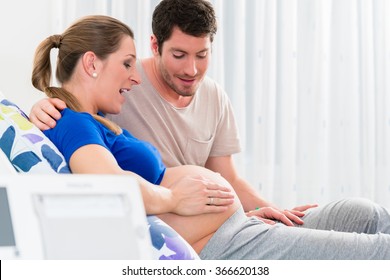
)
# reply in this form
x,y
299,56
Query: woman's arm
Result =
x,y
187,196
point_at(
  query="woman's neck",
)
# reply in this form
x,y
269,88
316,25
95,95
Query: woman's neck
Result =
x,y
82,97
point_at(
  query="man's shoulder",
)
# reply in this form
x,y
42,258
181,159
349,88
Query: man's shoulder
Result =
x,y
212,89
210,82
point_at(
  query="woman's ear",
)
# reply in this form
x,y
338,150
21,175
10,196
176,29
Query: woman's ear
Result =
x,y
90,62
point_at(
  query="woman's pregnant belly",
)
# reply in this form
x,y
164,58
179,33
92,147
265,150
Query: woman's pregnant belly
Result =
x,y
197,230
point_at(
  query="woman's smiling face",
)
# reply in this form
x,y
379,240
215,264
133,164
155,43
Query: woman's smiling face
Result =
x,y
118,75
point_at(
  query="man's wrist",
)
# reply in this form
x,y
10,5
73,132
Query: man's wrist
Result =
x,y
257,208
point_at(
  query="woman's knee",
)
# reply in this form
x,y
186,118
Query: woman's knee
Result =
x,y
365,212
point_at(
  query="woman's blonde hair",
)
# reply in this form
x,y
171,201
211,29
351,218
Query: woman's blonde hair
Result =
x,y
100,34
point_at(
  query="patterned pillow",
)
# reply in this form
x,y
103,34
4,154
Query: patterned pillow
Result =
x,y
26,147
6,168
167,243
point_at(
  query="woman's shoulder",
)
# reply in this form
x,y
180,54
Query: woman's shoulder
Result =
x,y
69,113
72,122
69,116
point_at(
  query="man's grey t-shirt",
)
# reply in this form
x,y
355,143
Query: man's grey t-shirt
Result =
x,y
205,128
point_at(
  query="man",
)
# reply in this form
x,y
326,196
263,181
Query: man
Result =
x,y
189,118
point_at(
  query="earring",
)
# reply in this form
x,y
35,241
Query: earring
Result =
x,y
94,74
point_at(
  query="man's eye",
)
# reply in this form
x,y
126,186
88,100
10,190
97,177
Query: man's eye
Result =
x,y
178,56
203,55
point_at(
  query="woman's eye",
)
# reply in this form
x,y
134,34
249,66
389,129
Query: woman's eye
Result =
x,y
127,65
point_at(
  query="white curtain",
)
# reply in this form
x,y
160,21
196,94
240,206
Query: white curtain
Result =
x,y
308,80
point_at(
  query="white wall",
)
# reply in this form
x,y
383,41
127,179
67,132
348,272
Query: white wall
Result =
x,y
23,25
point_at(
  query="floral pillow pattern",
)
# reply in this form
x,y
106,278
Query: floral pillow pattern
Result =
x,y
26,147
167,243
6,168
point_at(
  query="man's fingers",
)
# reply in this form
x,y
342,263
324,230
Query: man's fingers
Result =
x,y
293,218
46,112
304,207
49,110
45,120
38,123
267,221
296,213
58,103
270,213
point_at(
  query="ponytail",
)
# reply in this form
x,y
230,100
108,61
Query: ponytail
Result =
x,y
100,34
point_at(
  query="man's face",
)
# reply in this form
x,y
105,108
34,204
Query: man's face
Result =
x,y
184,61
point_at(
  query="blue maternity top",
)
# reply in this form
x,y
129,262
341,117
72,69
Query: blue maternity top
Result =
x,y
75,130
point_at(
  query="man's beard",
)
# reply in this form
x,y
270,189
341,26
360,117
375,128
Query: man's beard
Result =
x,y
168,80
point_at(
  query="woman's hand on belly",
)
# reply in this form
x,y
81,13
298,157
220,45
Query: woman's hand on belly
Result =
x,y
196,185
194,195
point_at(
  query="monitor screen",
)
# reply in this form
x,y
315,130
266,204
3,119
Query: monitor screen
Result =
x,y
7,238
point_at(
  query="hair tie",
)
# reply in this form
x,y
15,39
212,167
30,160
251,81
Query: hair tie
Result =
x,y
57,40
